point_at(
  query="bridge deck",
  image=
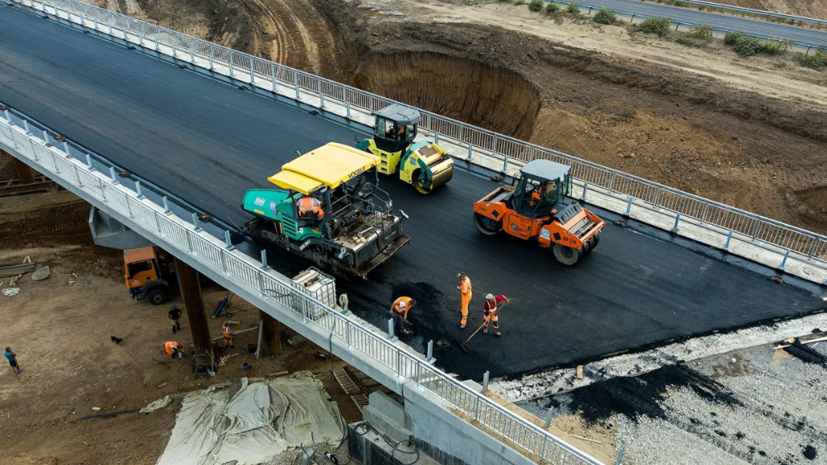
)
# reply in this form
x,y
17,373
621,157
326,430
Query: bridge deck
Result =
x,y
208,142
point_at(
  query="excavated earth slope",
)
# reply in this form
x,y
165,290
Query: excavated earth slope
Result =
x,y
688,131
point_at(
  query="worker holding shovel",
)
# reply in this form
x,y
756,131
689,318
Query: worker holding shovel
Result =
x,y
399,311
491,307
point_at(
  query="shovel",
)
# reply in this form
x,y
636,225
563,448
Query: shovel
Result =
x,y
462,344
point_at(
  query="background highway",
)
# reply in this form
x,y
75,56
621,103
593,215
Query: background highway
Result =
x,y
721,22
209,142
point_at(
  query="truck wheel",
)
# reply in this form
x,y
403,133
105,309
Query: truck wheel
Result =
x,y
158,296
487,226
566,255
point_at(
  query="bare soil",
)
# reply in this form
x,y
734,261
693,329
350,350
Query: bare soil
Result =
x,y
61,330
747,132
806,8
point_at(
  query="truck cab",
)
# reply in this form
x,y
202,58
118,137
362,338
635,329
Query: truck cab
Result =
x,y
146,272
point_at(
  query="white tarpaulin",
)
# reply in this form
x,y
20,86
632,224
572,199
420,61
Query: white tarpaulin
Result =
x,y
255,425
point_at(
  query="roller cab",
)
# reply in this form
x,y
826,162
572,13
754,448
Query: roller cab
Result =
x,y
537,207
328,209
423,164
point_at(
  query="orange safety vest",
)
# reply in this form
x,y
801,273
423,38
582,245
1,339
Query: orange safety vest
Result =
x,y
465,287
309,204
227,330
399,309
171,346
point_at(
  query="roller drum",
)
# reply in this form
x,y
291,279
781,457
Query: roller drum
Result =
x,y
439,179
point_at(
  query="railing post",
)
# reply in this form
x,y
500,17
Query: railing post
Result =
x,y
46,139
231,63
632,20
296,84
252,74
228,240
757,228
212,52
620,454
505,164
549,415
174,46
139,190
628,207
470,152
95,23
813,249
461,128
611,180
192,52
347,107
141,36
8,117
430,358
26,127
196,224
585,189
391,336
677,220
485,382
66,149
167,211
321,100
264,265
273,81
89,163
728,240
784,261
113,176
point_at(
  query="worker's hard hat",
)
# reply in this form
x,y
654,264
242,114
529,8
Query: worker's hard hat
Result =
x,y
460,275
489,296
403,304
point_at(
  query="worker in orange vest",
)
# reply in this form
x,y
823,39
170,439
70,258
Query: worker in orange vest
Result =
x,y
400,309
491,307
310,207
227,332
174,349
464,289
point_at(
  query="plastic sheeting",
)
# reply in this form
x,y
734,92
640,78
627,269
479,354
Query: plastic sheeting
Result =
x,y
253,425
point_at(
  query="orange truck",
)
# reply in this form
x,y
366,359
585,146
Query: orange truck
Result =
x,y
148,272
537,207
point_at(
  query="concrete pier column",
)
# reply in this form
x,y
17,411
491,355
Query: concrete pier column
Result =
x,y
194,306
24,171
271,339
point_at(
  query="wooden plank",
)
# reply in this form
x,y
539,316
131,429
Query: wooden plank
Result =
x,y
13,270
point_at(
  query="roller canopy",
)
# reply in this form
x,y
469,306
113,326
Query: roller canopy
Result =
x,y
403,116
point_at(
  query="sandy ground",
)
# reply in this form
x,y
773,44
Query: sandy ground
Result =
x,y
60,329
807,8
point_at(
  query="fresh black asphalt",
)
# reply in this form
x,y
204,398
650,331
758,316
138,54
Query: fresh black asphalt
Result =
x,y
208,142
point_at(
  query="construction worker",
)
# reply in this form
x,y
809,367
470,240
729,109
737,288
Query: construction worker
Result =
x,y
310,207
12,358
173,349
174,315
227,332
491,307
464,289
400,309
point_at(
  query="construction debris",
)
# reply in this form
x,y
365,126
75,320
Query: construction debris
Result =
x,y
14,270
156,405
11,291
42,273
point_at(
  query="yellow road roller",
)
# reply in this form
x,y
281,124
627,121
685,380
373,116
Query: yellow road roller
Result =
x,y
424,164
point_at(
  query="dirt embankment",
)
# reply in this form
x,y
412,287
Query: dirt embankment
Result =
x,y
683,129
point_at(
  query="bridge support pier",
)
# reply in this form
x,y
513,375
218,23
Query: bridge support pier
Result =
x,y
271,339
194,306
24,172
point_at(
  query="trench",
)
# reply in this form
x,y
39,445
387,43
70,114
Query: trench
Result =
x,y
471,91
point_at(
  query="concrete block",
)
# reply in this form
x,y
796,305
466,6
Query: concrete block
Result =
x,y
109,232
390,408
387,416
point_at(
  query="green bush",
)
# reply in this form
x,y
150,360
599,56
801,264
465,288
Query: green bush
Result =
x,y
701,31
657,26
770,47
552,8
747,46
535,5
816,61
519,2
572,8
731,37
605,16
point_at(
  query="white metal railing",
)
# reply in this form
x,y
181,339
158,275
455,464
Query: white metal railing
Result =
x,y
796,242
61,161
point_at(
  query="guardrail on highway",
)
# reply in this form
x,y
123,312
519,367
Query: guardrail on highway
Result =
x,y
68,163
687,24
753,11
798,243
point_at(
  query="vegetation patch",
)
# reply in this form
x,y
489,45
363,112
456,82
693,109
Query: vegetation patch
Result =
x,y
656,26
816,61
605,16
